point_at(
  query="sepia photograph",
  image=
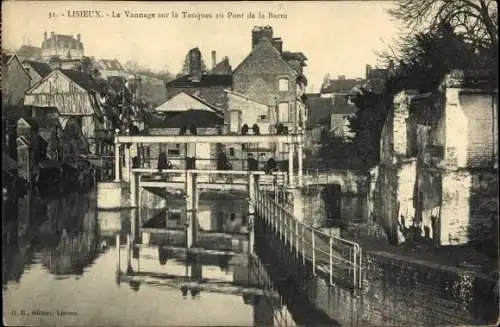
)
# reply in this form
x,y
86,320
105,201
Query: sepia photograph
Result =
x,y
250,163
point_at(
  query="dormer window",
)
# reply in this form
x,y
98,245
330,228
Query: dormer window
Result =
x,y
283,84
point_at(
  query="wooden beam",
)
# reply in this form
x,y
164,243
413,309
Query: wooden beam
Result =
x,y
239,139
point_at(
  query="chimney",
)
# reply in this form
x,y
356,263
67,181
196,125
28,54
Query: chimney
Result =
x,y
259,32
214,59
278,44
44,36
52,34
341,77
78,37
195,64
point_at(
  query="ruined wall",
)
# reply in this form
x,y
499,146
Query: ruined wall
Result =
x,y
393,197
470,206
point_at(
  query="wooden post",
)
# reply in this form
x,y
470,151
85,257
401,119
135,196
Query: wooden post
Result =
x,y
290,164
251,212
117,160
118,253
300,146
189,209
129,259
133,189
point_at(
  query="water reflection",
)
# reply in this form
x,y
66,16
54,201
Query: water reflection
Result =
x,y
61,253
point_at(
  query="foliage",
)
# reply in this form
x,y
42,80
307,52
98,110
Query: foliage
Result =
x,y
475,21
443,35
134,67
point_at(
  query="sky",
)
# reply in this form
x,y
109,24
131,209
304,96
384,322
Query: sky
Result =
x,y
337,37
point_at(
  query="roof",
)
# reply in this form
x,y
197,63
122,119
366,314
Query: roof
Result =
x,y
319,110
5,58
68,41
207,80
184,102
267,51
222,68
110,64
340,85
198,118
86,81
31,122
40,68
341,105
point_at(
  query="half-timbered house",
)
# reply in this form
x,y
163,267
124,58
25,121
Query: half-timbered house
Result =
x,y
76,94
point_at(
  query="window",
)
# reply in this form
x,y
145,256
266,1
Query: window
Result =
x,y
262,118
283,112
231,151
178,146
283,84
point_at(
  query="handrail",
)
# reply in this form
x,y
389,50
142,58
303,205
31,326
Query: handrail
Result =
x,y
342,257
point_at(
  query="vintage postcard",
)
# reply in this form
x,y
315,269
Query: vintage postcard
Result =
x,y
302,163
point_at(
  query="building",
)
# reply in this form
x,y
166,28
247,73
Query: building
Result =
x,y
186,122
273,77
75,94
221,68
207,86
244,113
108,68
438,175
62,46
37,70
29,52
341,85
31,149
15,80
183,102
318,122
342,110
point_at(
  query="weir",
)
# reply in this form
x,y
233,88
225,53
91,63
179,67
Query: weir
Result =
x,y
275,205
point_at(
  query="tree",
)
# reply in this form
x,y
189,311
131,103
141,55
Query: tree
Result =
x,y
475,21
326,81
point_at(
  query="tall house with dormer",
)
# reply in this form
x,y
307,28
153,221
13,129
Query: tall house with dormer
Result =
x,y
273,77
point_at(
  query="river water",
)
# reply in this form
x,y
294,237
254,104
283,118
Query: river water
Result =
x,y
60,268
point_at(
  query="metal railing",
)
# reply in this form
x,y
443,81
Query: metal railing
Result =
x,y
339,258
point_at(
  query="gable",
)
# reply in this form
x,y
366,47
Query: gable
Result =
x,y
14,63
264,55
55,82
183,102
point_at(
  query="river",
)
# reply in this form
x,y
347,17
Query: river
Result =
x,y
60,268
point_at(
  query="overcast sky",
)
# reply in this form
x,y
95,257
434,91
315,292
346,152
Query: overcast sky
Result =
x,y
337,37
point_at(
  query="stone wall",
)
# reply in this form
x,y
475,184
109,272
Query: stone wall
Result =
x,y
429,157
470,206
471,128
397,291
393,197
